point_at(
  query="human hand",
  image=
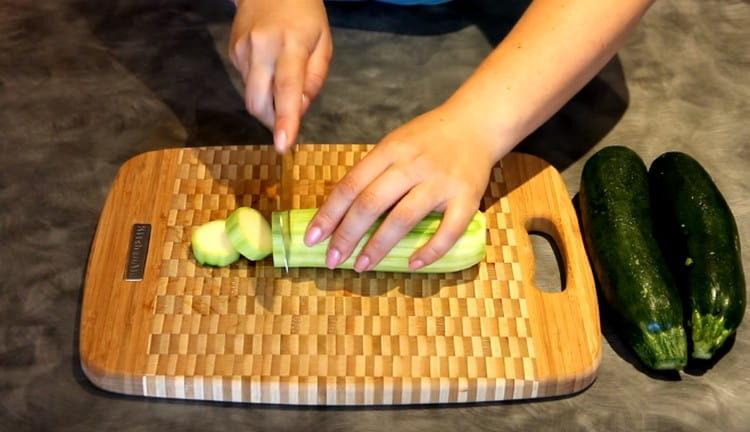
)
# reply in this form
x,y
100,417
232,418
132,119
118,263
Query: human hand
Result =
x,y
439,161
282,49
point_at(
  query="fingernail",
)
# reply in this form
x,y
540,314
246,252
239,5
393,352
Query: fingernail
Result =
x,y
332,260
363,262
416,264
313,236
281,140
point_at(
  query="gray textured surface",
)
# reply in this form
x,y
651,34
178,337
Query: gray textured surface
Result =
x,y
85,86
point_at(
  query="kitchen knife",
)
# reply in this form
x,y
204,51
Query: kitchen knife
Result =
x,y
285,195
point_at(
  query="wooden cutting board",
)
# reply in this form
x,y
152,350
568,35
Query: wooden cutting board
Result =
x,y
252,333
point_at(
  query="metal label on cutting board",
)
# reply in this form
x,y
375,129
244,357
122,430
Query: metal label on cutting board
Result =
x,y
138,252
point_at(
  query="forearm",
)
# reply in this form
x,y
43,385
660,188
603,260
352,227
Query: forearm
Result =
x,y
552,52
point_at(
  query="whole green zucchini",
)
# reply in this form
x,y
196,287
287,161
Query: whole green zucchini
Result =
x,y
632,273
698,235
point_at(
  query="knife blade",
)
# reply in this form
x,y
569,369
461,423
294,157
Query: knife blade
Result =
x,y
286,196
282,221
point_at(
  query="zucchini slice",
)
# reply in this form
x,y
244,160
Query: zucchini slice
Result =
x,y
249,233
211,245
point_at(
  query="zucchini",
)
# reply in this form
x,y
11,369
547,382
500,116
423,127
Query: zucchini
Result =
x,y
211,245
249,233
698,235
632,273
468,250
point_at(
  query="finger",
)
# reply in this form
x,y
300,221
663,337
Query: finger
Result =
x,y
317,66
376,198
417,204
239,44
457,216
344,193
239,54
258,91
258,96
288,84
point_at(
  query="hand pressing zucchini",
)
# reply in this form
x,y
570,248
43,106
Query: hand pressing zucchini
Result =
x,y
631,270
248,233
698,235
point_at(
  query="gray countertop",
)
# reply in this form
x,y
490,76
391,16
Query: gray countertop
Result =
x,y
84,85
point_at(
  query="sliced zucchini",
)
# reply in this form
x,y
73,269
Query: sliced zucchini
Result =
x,y
249,233
211,245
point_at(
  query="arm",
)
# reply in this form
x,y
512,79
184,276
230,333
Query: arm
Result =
x,y
554,50
442,159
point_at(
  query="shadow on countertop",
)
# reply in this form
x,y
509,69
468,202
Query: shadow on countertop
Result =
x,y
167,46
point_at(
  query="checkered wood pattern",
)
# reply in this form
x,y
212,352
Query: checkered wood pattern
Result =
x,y
252,333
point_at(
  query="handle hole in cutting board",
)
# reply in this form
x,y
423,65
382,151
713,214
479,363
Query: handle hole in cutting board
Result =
x,y
549,267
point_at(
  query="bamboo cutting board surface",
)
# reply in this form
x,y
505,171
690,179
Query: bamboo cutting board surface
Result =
x,y
252,333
